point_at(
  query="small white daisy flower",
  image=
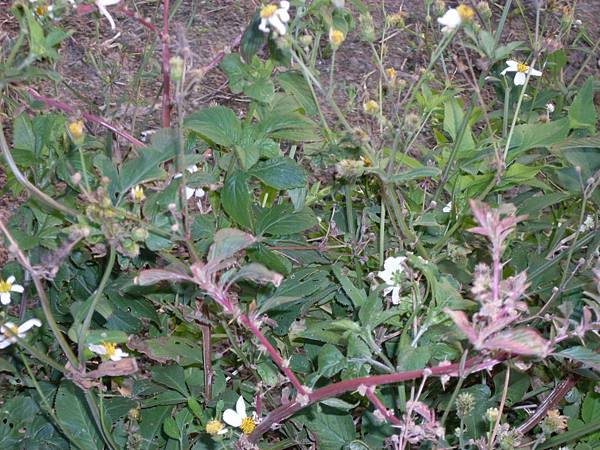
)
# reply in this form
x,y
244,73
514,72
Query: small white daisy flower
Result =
x,y
239,418
191,192
393,268
447,208
102,4
588,224
550,107
137,194
339,3
274,17
8,286
10,333
108,350
521,71
454,17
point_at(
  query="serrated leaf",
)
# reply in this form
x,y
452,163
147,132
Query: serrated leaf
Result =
x,y
279,173
584,355
282,220
295,84
236,199
216,124
583,113
172,377
227,242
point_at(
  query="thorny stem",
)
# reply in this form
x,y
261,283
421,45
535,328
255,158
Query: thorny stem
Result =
x,y
381,407
275,356
283,412
166,69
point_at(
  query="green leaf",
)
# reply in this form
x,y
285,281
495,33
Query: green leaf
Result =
x,y
590,410
171,429
252,39
294,84
290,126
584,355
583,113
282,220
357,296
236,199
227,242
172,377
453,118
17,413
151,425
415,174
528,136
334,430
331,361
216,124
73,415
169,348
280,173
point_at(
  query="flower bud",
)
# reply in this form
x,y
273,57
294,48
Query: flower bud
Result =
x,y
336,38
367,27
139,234
176,63
306,40
76,130
371,107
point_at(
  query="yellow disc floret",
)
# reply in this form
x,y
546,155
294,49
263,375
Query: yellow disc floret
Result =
x,y
5,286
336,37
214,426
76,129
110,348
465,12
248,425
11,331
523,68
268,11
391,73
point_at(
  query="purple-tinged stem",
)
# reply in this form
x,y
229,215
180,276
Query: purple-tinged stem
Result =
x,y
87,116
166,69
381,407
134,15
289,409
275,356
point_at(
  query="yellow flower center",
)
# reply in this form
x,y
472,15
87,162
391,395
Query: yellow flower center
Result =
x,y
11,331
138,193
391,73
268,11
214,426
110,348
76,128
5,286
41,10
465,12
371,107
337,37
523,68
248,425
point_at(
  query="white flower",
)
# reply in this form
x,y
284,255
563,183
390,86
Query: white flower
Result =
x,y
8,286
239,418
109,350
137,194
454,17
10,333
521,71
275,17
447,208
339,3
588,224
102,4
191,192
393,268
550,107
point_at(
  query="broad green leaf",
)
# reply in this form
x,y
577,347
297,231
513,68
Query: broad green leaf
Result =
x,y
163,349
171,429
259,274
280,173
282,220
453,118
289,126
73,415
528,136
415,174
236,199
227,242
216,124
294,84
331,361
583,113
590,410
172,377
357,296
334,430
151,425
252,39
16,414
584,355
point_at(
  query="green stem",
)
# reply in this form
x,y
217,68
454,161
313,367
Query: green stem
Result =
x,y
571,436
382,234
96,298
349,211
41,356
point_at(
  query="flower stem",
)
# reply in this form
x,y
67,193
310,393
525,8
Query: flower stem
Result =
x,y
166,68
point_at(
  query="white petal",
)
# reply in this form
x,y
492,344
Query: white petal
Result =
x,y
11,279
285,5
387,276
283,15
17,288
263,26
23,328
240,407
535,73
394,263
223,430
396,296
278,25
451,19
99,349
231,418
108,2
512,63
5,298
116,357
4,343
199,193
189,192
520,78
192,169
6,326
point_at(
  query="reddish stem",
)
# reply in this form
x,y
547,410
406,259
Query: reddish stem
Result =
x,y
87,116
134,15
207,358
335,389
381,407
275,356
166,69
